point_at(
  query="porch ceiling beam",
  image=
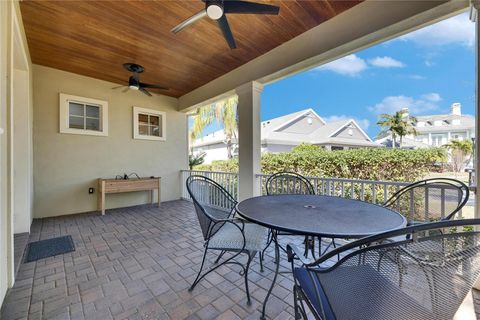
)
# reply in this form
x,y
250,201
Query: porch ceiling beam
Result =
x,y
362,26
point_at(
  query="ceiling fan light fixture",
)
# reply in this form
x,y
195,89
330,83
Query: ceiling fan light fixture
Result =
x,y
133,87
214,10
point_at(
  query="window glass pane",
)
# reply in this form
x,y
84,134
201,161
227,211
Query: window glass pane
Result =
x,y
142,119
93,111
76,109
143,130
155,131
154,120
92,124
76,122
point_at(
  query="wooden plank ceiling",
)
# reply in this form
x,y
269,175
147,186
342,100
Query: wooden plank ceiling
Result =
x,y
94,38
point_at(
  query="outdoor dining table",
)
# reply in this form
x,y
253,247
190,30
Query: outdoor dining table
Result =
x,y
317,215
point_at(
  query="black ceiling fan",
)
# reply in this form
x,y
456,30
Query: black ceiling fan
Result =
x,y
218,9
134,80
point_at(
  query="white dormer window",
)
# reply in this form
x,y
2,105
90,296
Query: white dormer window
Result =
x,y
420,124
456,122
437,123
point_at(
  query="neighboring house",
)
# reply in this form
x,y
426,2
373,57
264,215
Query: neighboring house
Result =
x,y
284,133
437,130
407,143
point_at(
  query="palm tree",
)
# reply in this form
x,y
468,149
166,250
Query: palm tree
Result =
x,y
460,150
400,124
224,112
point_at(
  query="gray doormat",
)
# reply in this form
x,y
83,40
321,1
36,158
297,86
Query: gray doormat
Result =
x,y
49,248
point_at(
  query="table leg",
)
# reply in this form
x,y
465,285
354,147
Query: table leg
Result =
x,y
102,199
159,192
277,267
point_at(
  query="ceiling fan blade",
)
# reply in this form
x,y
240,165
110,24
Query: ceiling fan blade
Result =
x,y
227,32
148,85
114,88
145,91
249,7
190,21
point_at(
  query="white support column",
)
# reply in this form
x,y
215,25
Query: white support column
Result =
x,y
249,138
477,121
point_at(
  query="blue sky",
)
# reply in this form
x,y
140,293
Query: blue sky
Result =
x,y
426,71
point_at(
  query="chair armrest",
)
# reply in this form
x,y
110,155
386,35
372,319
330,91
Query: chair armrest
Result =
x,y
293,252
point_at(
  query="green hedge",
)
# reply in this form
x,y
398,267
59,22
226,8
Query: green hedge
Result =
x,y
369,164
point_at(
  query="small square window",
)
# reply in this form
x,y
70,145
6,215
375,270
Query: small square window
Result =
x,y
148,124
79,115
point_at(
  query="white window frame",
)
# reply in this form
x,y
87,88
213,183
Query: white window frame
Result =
x,y
65,99
136,134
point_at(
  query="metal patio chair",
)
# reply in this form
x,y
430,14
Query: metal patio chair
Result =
x,y
215,209
290,183
367,284
430,200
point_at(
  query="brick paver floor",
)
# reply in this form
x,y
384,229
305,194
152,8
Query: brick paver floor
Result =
x,y
137,263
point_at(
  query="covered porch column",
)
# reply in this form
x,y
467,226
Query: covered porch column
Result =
x,y
249,139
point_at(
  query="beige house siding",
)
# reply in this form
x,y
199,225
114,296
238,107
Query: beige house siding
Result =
x,y
66,165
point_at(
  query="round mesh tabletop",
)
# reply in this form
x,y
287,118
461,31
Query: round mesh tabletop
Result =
x,y
328,216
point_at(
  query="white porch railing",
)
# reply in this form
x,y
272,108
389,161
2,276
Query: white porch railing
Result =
x,y
363,190
226,179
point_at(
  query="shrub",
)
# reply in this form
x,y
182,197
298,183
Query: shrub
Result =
x,y
368,164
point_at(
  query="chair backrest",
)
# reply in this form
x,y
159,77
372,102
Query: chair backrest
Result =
x,y
288,183
430,200
425,276
212,202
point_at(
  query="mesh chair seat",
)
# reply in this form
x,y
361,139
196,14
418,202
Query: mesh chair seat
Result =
x,y
229,237
425,274
363,293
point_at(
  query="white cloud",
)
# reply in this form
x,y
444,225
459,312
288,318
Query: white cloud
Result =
x,y
392,104
363,123
350,65
456,30
386,62
416,77
433,97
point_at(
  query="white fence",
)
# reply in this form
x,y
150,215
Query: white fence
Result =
x,y
363,190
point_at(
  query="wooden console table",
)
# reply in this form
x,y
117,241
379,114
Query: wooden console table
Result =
x,y
129,185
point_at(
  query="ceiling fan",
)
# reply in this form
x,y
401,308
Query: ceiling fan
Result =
x,y
134,80
218,9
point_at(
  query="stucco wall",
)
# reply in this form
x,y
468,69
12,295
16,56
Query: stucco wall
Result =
x,y
66,165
